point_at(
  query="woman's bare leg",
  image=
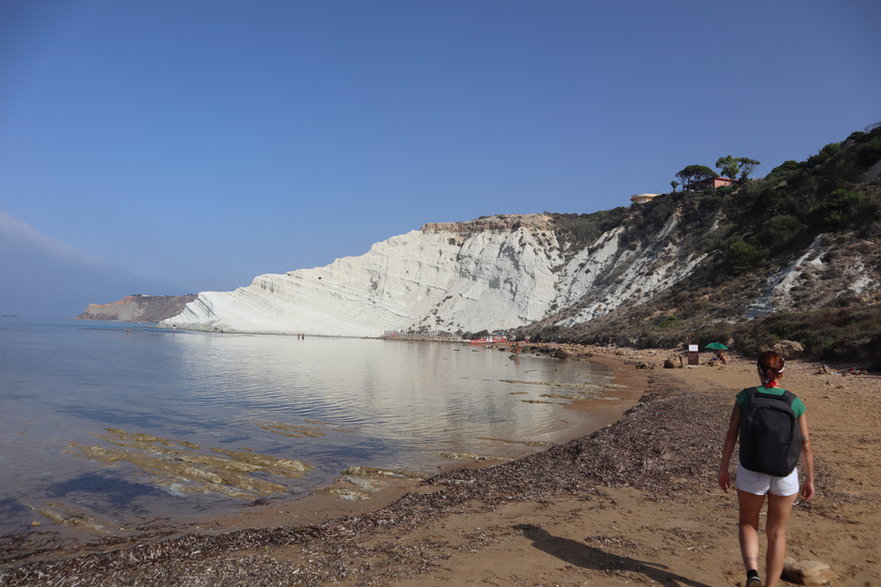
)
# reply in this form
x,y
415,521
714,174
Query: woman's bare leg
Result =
x,y
750,506
779,508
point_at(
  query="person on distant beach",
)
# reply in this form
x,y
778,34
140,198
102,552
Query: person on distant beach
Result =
x,y
752,486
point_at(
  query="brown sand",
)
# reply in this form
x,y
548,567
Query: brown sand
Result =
x,y
635,502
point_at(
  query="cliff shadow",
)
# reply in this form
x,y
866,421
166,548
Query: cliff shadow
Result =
x,y
581,555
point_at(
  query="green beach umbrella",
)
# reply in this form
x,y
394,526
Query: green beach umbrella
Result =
x,y
716,346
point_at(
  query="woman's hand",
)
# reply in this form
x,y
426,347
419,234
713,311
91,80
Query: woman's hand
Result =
x,y
728,448
807,490
725,480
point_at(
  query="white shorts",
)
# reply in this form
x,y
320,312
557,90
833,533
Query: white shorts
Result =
x,y
762,483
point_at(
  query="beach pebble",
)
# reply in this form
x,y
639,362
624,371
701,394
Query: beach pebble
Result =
x,y
807,572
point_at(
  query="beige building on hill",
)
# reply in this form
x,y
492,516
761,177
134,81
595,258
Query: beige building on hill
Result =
x,y
642,198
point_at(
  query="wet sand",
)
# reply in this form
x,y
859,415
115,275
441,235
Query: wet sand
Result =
x,y
634,502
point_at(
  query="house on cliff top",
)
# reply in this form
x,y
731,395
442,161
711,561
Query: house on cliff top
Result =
x,y
712,183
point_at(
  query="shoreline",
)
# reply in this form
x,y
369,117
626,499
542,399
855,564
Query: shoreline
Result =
x,y
319,504
642,491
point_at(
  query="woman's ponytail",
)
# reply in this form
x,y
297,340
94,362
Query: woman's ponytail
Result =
x,y
770,366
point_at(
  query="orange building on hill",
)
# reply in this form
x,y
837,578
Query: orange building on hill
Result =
x,y
712,183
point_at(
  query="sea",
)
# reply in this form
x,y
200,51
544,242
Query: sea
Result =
x,y
108,425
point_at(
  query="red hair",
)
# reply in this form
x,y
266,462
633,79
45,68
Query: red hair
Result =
x,y
770,365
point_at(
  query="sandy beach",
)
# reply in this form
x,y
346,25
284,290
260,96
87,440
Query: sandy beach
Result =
x,y
635,502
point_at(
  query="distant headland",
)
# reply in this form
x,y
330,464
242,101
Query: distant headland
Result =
x,y
138,308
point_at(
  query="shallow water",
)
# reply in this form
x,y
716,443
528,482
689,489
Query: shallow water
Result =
x,y
98,420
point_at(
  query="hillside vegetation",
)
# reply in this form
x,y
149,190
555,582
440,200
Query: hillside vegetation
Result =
x,y
829,204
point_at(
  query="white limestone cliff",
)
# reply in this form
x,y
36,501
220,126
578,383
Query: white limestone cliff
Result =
x,y
833,268
496,272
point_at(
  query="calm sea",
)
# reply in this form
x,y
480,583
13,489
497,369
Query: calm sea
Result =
x,y
97,418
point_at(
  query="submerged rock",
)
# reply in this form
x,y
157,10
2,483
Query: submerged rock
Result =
x,y
349,494
357,483
181,467
70,517
464,456
372,472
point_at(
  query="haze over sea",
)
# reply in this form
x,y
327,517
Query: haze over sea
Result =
x,y
74,391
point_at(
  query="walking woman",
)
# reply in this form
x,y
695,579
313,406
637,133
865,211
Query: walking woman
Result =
x,y
773,431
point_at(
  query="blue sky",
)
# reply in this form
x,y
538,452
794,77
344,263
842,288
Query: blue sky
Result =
x,y
173,146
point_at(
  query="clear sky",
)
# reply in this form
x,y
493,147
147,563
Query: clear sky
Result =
x,y
174,146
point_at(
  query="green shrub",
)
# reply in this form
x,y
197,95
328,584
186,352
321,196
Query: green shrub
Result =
x,y
778,231
837,334
869,152
670,321
834,211
830,149
581,230
742,256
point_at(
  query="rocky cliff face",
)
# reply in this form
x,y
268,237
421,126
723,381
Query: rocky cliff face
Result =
x,y
140,308
497,272
511,271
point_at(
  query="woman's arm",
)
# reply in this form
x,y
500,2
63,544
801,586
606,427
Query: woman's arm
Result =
x,y
728,448
807,457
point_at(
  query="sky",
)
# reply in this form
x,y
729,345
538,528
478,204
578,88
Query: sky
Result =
x,y
178,146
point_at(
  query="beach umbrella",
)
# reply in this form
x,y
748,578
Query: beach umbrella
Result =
x,y
716,346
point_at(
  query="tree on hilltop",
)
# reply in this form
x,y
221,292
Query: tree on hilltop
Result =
x,y
731,166
728,165
693,174
746,167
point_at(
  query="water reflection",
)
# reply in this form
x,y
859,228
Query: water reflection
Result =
x,y
331,403
424,395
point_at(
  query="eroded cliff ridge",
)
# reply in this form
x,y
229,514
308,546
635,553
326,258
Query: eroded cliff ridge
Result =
x,y
804,237
490,273
510,271
138,308
494,272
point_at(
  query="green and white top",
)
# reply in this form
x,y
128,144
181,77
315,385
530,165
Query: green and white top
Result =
x,y
742,399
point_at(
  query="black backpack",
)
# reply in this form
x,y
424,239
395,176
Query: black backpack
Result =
x,y
770,438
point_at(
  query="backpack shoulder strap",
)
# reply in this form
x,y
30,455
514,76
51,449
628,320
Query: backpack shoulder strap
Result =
x,y
749,404
788,396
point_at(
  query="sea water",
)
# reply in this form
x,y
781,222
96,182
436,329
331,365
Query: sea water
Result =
x,y
78,399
